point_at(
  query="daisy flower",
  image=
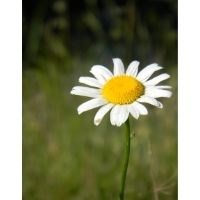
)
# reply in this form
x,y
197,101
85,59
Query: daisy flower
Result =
x,y
121,92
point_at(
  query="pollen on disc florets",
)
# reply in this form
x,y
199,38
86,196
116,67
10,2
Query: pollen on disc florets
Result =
x,y
122,90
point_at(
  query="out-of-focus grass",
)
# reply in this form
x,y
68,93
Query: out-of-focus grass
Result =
x,y
66,157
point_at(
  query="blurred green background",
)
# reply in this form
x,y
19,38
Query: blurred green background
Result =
x,y
64,155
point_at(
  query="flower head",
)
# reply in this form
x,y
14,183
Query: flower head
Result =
x,y
122,92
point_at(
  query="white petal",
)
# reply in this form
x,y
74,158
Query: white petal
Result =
x,y
118,115
88,105
162,87
85,91
118,66
157,79
150,100
90,81
102,71
133,68
98,77
147,72
101,113
156,93
134,112
141,108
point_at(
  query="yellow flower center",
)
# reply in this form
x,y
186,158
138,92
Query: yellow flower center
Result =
x,y
122,90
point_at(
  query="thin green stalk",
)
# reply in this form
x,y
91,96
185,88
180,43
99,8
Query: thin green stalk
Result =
x,y
125,166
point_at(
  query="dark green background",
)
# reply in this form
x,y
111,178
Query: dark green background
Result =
x,y
64,155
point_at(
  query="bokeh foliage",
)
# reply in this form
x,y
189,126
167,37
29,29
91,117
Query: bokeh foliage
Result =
x,y
64,155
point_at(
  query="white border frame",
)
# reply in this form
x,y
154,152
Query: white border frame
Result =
x,y
10,100
189,99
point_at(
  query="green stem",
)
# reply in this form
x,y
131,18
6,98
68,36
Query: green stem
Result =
x,y
125,166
